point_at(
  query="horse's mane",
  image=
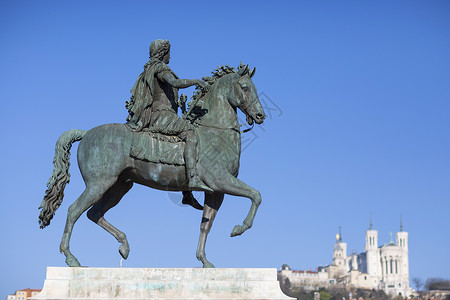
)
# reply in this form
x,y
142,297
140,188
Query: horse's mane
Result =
x,y
217,73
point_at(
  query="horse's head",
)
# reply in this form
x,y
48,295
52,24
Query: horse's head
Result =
x,y
245,96
236,88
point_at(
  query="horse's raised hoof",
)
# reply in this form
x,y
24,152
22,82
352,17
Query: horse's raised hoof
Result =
x,y
124,250
71,261
238,230
208,265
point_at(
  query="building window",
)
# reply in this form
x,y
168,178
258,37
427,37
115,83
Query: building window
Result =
x,y
396,270
391,265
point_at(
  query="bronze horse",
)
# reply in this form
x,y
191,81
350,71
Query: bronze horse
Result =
x,y
109,171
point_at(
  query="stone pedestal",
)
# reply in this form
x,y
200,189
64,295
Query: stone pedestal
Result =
x,y
159,283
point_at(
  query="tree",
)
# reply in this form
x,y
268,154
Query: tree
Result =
x,y
337,292
287,283
324,295
418,283
358,293
437,284
378,295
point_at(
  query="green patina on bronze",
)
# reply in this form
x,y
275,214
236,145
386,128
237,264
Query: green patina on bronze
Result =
x,y
206,146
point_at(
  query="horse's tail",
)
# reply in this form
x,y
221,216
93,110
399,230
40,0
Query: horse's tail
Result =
x,y
60,176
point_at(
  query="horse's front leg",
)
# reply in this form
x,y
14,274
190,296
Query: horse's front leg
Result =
x,y
213,201
229,184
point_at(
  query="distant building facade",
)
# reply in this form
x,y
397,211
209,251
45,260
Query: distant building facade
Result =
x,y
23,294
385,267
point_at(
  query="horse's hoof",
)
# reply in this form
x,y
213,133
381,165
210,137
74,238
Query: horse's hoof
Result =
x,y
72,262
208,265
237,230
124,250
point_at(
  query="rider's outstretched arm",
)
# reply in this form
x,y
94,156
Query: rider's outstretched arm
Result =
x,y
180,83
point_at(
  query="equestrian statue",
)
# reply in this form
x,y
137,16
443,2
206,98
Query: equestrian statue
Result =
x,y
199,151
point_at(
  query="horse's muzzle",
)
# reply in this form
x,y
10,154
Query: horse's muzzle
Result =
x,y
259,118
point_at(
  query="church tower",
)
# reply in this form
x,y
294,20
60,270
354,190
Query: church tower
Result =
x,y
402,243
372,252
340,253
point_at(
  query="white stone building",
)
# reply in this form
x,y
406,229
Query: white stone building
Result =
x,y
309,280
378,267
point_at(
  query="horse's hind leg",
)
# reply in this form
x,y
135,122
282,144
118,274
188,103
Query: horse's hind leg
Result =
x,y
93,193
212,205
111,198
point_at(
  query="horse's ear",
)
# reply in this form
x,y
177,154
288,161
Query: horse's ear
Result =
x,y
252,72
243,69
246,70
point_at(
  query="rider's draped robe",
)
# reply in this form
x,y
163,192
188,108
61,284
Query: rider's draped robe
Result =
x,y
142,114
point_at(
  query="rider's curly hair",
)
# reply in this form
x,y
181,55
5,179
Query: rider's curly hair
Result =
x,y
159,48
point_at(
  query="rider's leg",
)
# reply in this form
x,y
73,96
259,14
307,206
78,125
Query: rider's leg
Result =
x,y
190,158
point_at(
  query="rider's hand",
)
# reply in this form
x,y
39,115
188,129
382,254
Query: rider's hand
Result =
x,y
203,84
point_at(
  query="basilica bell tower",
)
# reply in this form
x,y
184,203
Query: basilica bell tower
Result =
x,y
372,253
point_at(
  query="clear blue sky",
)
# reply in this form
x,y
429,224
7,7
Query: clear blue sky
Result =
x,y
360,126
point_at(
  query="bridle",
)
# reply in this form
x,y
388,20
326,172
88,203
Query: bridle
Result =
x,y
244,108
237,127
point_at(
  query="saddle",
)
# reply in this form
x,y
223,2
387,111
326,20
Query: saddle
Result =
x,y
157,148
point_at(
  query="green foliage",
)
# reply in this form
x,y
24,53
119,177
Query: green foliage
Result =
x,y
287,283
325,296
377,295
336,292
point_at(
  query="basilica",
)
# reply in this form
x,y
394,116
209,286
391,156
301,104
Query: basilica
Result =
x,y
378,267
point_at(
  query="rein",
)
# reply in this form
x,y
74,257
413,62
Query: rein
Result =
x,y
235,128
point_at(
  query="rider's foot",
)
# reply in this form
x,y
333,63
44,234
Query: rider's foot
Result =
x,y
196,184
189,199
